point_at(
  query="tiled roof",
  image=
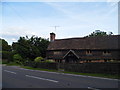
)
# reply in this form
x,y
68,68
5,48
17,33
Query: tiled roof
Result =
x,y
98,42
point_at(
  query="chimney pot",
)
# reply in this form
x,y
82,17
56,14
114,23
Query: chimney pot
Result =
x,y
52,36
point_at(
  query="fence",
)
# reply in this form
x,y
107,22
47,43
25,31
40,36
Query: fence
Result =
x,y
105,68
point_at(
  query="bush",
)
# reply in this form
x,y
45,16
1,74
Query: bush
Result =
x,y
31,64
18,59
38,59
49,61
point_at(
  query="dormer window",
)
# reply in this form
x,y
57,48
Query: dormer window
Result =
x,y
106,53
88,52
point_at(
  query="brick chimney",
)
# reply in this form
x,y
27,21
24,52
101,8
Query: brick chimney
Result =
x,y
52,37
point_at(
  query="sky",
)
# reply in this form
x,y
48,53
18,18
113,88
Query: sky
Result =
x,y
75,19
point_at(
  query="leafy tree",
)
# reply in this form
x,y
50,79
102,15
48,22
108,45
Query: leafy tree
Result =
x,y
4,45
99,33
5,50
31,47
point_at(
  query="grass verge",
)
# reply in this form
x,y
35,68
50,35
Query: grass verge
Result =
x,y
12,64
77,73
27,67
96,75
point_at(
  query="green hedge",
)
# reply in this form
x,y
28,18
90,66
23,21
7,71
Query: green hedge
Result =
x,y
44,65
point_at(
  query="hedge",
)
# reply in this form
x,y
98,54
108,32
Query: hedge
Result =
x,y
43,65
104,68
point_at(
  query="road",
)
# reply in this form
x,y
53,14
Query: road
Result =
x,y
16,77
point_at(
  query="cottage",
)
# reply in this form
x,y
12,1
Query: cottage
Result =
x,y
85,49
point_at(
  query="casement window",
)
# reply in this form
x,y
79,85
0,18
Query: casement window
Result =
x,y
106,53
88,52
57,52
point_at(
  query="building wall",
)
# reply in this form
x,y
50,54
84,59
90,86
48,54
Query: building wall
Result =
x,y
95,56
56,54
85,61
98,54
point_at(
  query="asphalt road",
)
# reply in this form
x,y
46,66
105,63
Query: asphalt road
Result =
x,y
16,77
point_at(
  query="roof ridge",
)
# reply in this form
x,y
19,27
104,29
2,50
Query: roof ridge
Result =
x,y
85,37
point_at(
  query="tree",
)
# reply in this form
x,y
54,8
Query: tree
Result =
x,y
5,50
99,33
5,46
31,47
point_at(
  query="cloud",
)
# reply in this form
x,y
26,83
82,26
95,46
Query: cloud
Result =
x,y
112,0
82,16
16,31
14,39
73,21
113,5
85,20
12,34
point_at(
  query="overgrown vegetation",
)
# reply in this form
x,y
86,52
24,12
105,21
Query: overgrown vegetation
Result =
x,y
24,50
99,33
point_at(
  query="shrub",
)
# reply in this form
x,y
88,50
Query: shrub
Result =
x,y
49,61
38,59
18,59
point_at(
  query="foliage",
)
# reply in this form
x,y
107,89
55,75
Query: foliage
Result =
x,y
38,59
99,33
7,55
31,47
49,61
18,59
4,54
5,50
5,46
